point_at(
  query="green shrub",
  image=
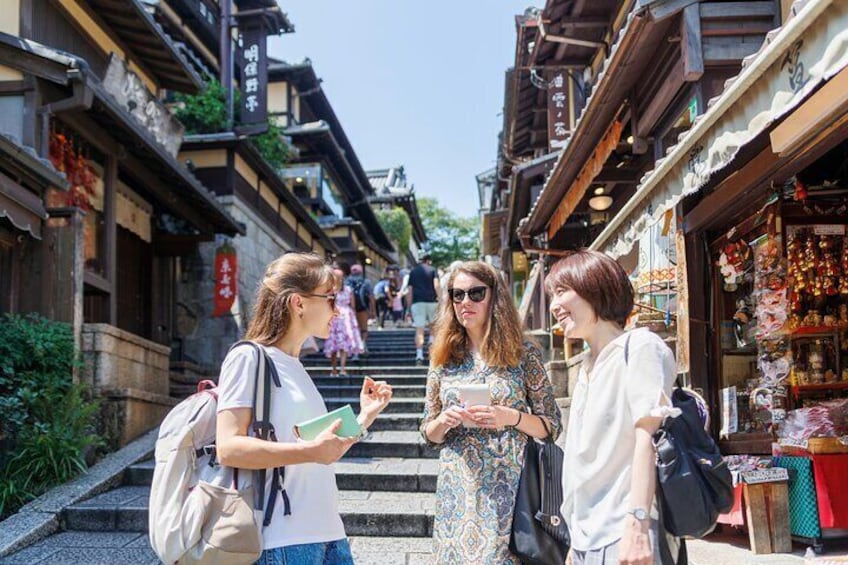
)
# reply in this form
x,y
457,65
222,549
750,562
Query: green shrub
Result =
x,y
206,112
46,420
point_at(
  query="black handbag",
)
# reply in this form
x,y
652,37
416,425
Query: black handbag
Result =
x,y
539,534
694,484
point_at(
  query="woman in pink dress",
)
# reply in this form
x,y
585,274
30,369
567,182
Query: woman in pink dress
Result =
x,y
344,339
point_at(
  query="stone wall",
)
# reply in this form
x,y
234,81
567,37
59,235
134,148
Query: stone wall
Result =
x,y
130,376
205,340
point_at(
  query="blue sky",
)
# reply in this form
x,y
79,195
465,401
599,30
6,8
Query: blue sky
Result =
x,y
413,83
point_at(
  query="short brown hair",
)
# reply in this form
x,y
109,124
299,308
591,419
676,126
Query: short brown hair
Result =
x,y
293,273
598,279
503,344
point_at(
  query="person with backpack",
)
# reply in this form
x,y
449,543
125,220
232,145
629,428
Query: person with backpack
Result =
x,y
363,295
383,296
621,398
295,300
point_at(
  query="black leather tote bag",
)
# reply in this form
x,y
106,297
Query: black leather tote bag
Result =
x,y
539,534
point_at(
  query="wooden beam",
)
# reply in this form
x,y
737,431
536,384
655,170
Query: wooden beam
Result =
x,y
166,195
670,8
662,99
617,176
723,50
110,221
690,45
738,10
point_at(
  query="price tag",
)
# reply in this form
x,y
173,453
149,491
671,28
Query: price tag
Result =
x,y
775,474
788,442
829,229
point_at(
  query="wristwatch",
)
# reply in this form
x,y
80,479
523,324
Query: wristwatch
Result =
x,y
639,513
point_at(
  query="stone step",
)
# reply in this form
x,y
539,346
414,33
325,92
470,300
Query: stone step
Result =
x,y
376,361
393,474
323,370
109,548
387,473
393,444
397,405
356,380
398,391
390,551
393,421
365,513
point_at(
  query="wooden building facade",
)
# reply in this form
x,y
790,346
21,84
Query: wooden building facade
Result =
x,y
82,81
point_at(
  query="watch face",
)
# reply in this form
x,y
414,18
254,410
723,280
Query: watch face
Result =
x,y
640,514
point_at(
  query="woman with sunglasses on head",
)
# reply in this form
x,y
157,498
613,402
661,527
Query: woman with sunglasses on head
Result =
x,y
479,340
295,300
620,399
344,340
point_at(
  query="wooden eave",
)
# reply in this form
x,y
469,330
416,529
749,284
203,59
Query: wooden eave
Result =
x,y
147,40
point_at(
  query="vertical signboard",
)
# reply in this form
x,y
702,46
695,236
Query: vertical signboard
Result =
x,y
559,127
254,74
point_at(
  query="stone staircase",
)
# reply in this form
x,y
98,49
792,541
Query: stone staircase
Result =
x,y
386,482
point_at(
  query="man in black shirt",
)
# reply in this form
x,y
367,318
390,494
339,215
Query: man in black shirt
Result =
x,y
424,294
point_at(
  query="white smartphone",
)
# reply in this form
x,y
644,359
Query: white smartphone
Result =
x,y
474,395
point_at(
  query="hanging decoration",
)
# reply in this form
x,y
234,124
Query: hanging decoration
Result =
x,y
69,157
734,261
226,277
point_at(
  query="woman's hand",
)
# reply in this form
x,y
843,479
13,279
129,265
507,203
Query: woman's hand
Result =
x,y
328,447
635,545
373,399
493,417
569,559
453,417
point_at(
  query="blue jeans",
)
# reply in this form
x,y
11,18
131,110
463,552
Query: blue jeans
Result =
x,y
325,553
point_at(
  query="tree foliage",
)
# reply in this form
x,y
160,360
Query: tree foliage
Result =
x,y
397,226
450,237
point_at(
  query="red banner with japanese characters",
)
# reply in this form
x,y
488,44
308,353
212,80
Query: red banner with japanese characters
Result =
x,y
226,270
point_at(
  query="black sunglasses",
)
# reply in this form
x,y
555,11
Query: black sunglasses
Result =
x,y
475,293
331,298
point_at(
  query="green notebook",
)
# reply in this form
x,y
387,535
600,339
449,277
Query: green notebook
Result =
x,y
310,429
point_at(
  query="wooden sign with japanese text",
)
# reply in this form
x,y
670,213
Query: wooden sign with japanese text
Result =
x,y
254,75
559,124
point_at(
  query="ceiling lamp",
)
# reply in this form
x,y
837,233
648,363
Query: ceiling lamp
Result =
x,y
600,203
599,191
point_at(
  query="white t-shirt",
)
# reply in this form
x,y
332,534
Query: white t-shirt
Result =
x,y
311,487
601,436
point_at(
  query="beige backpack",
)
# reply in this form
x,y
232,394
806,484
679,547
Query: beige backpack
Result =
x,y
200,511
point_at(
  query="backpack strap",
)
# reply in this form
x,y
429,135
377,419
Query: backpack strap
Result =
x,y
265,377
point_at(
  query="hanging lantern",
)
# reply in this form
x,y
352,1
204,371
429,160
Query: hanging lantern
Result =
x,y
226,277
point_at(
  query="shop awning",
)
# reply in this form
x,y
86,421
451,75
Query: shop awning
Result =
x,y
552,209
23,205
492,224
795,60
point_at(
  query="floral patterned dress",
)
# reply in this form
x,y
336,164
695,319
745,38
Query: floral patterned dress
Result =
x,y
344,331
479,469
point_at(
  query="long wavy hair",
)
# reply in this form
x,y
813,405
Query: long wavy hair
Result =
x,y
503,342
293,273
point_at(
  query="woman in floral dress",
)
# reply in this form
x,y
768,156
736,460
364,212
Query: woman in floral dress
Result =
x,y
479,339
344,339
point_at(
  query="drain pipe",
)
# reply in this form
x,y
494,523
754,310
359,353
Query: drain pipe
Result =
x,y
81,99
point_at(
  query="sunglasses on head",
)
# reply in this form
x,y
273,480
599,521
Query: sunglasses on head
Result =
x,y
475,293
331,298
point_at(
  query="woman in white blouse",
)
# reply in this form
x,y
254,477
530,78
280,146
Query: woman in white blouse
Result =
x,y
618,403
